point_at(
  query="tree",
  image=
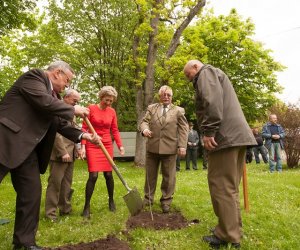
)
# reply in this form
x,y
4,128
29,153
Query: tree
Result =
x,y
14,13
21,50
225,42
137,46
99,35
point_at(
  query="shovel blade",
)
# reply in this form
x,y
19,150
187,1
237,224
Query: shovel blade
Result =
x,y
133,201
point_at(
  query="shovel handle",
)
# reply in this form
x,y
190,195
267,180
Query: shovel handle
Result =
x,y
108,157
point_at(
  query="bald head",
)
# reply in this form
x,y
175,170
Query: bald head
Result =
x,y
273,118
71,97
191,68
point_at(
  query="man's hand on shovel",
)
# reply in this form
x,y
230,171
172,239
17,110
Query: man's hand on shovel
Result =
x,y
93,138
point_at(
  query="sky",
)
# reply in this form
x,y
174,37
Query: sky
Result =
x,y
277,25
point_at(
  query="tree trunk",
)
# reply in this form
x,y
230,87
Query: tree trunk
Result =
x,y
145,92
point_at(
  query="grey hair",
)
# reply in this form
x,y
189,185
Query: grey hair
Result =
x,y
108,90
69,92
165,88
60,65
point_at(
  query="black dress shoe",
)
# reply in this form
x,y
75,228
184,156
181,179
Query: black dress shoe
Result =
x,y
216,243
111,205
33,247
86,213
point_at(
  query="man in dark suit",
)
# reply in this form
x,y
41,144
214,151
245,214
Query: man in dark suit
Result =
x,y
30,115
167,129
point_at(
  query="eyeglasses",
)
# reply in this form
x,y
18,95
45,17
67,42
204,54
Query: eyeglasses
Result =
x,y
166,94
67,78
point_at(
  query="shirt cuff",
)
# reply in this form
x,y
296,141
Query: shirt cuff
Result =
x,y
80,136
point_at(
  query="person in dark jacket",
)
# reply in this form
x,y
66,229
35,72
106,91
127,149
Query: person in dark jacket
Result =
x,y
225,135
274,134
192,148
259,148
30,115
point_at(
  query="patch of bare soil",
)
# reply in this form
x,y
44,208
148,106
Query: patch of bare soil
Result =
x,y
171,221
144,219
110,243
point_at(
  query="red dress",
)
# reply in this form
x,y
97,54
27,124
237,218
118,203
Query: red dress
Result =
x,y
105,123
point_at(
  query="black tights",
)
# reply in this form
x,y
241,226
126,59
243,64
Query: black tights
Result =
x,y
91,182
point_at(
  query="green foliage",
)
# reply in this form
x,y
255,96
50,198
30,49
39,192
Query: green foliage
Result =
x,y
225,42
15,13
98,35
273,198
97,39
22,50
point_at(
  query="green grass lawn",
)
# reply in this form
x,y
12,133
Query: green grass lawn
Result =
x,y
272,223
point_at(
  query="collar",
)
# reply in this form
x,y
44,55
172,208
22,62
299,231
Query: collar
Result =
x,y
51,85
195,79
167,107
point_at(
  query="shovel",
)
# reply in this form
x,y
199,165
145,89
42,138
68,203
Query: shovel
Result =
x,y
132,199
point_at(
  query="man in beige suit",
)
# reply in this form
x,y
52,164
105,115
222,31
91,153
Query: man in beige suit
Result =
x,y
61,169
166,128
225,135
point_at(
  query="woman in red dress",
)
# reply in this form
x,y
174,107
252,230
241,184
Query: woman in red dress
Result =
x,y
104,120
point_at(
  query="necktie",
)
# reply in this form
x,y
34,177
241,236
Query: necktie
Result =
x,y
164,110
164,113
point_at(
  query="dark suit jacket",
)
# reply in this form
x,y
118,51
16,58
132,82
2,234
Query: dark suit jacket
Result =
x,y
29,119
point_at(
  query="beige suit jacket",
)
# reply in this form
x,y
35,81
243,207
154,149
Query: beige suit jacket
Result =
x,y
62,146
167,134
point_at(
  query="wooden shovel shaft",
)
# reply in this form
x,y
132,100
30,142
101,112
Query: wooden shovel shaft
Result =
x,y
114,166
245,189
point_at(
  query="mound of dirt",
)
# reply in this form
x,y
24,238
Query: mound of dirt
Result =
x,y
144,219
110,243
171,221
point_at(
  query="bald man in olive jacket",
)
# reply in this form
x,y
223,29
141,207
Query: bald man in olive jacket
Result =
x,y
225,135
